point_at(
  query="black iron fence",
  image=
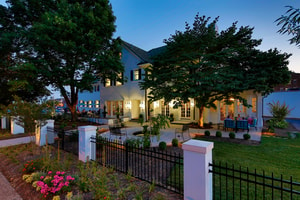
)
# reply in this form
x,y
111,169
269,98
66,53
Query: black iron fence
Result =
x,y
65,140
232,183
151,165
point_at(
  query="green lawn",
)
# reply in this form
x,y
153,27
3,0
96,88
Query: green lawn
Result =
x,y
280,156
274,154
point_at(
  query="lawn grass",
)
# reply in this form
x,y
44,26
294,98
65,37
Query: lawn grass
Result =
x,y
274,154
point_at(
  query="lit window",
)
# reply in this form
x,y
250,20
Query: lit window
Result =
x,y
97,104
135,75
107,83
120,77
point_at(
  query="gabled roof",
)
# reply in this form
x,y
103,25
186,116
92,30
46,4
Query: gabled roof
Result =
x,y
142,54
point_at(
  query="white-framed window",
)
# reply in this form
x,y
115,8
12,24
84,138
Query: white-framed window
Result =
x,y
120,76
97,104
165,109
186,110
107,82
136,75
81,103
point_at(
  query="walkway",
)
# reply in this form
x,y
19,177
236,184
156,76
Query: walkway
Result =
x,y
168,134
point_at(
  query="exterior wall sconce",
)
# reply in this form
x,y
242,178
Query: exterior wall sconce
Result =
x,y
142,105
156,104
128,105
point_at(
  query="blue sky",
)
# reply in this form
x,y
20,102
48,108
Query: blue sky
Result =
x,y
146,23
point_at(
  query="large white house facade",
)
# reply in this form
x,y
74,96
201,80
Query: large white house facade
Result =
x,y
130,101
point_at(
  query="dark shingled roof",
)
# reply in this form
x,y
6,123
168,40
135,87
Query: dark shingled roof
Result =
x,y
142,54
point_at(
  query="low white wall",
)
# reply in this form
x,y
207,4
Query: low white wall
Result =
x,y
289,98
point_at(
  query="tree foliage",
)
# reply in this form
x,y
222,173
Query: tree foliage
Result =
x,y
209,66
17,78
67,43
28,114
290,24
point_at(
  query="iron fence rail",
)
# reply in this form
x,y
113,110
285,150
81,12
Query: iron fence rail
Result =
x,y
230,182
151,165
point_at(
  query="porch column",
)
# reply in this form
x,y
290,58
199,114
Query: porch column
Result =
x,y
259,110
197,179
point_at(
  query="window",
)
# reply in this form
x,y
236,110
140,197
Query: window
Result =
x,y
165,109
186,110
90,104
136,75
107,83
120,76
81,103
97,104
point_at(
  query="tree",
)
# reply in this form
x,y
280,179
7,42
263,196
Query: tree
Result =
x,y
208,66
21,81
68,43
29,114
290,24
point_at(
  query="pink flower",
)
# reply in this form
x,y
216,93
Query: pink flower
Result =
x,y
50,172
42,177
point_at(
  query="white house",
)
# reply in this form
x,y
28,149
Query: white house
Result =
x,y
128,99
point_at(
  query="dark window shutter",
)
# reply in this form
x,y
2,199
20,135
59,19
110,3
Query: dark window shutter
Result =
x,y
131,75
140,74
111,82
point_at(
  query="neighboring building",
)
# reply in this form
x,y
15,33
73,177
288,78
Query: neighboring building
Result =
x,y
293,85
89,100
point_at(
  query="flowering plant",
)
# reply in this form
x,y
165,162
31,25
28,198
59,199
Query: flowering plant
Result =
x,y
31,166
54,183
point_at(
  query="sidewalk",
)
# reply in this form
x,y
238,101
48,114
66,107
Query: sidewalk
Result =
x,y
7,192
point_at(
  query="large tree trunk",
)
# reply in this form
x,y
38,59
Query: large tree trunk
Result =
x,y
200,122
71,102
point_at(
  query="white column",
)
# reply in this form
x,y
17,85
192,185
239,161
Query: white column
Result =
x,y
41,133
3,122
197,179
259,110
86,149
15,128
50,136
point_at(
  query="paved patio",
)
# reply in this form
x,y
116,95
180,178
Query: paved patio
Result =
x,y
169,133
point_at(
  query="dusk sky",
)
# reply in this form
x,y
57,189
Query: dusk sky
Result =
x,y
146,23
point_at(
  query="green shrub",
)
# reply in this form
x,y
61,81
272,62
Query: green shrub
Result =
x,y
279,111
207,133
175,142
162,145
218,134
231,135
246,136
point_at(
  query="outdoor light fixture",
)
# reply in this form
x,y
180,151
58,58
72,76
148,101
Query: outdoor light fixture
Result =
x,y
128,104
142,105
156,104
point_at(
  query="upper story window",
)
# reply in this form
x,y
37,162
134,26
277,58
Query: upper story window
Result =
x,y
120,77
136,75
107,82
